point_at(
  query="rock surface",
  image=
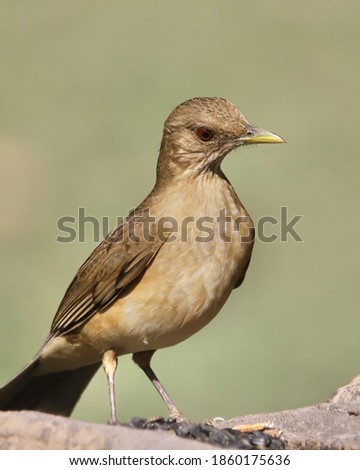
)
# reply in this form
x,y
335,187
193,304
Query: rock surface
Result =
x,y
331,425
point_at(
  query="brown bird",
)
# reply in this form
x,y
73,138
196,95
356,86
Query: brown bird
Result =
x,y
157,278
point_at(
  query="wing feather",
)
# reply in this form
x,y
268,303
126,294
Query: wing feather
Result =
x,y
115,265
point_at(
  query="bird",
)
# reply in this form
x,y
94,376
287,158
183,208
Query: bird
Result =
x,y
157,278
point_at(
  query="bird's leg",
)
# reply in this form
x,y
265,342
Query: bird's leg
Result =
x,y
142,359
109,362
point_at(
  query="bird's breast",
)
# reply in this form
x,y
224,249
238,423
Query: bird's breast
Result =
x,y
207,248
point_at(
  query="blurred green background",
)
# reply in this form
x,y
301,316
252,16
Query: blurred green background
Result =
x,y
85,88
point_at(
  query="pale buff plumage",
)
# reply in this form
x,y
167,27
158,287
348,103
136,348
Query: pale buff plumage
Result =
x,y
174,299
139,297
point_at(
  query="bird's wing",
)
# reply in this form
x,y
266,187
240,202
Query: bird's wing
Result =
x,y
115,264
242,272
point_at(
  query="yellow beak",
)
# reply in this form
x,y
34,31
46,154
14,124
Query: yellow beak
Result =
x,y
256,135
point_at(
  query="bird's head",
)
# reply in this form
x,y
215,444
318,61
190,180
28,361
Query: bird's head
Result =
x,y
200,132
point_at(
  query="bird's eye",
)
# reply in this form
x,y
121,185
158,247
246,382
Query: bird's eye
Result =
x,y
204,133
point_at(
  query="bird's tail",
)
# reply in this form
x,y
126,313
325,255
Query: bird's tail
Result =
x,y
55,393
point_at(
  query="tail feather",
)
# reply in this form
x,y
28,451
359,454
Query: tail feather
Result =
x,y
55,393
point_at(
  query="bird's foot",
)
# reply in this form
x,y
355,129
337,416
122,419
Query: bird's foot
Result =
x,y
113,422
178,417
